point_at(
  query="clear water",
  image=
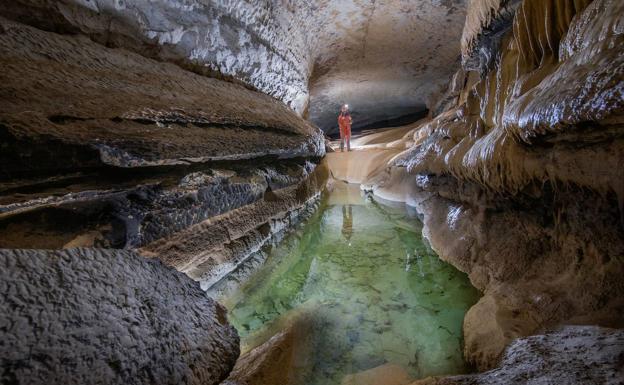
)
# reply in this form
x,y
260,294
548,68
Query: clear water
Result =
x,y
375,292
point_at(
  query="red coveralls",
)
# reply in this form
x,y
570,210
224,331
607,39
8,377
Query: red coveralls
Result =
x,y
344,122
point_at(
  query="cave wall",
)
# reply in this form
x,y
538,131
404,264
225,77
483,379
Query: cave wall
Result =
x,y
260,44
107,153
520,183
385,57
125,150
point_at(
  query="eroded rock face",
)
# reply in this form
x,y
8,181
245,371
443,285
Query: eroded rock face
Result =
x,y
520,182
103,147
258,43
573,355
77,104
108,316
386,57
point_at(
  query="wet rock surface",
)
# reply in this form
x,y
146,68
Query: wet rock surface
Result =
x,y
283,359
533,273
364,290
99,316
210,249
131,211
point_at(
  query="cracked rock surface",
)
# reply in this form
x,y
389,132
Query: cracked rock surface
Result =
x,y
586,355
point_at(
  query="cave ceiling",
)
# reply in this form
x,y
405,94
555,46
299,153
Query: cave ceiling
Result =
x,y
385,58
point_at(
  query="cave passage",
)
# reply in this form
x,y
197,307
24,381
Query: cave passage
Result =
x,y
364,287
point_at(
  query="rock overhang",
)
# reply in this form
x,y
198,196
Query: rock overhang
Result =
x,y
387,58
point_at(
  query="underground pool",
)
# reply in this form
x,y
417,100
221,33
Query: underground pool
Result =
x,y
367,288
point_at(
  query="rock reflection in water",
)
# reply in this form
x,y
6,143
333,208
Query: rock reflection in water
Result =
x,y
381,297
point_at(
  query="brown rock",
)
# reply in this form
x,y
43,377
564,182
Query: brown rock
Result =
x,y
284,359
387,374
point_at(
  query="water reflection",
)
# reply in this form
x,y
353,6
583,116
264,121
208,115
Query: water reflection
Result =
x,y
381,297
347,222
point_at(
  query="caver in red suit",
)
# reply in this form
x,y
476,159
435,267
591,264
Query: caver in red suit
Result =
x,y
344,122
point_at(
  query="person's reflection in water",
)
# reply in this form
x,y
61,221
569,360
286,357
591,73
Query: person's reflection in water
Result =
x,y
347,223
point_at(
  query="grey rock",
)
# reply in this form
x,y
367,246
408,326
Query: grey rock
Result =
x,y
97,316
573,355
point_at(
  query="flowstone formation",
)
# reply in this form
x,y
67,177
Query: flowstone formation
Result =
x,y
520,179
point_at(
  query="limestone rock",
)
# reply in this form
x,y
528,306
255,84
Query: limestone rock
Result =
x,y
519,184
284,359
387,374
104,147
312,56
97,316
574,355
71,104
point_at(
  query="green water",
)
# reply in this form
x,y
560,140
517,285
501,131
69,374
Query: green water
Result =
x,y
371,292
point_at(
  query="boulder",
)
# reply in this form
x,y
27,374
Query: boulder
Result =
x,y
98,316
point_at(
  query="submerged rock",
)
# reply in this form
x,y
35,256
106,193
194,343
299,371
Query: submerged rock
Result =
x,y
284,359
107,316
387,374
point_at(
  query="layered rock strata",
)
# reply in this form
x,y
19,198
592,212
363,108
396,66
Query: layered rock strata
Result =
x,y
106,148
103,147
107,316
257,44
311,55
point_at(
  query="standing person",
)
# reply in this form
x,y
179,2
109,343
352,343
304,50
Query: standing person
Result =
x,y
344,122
